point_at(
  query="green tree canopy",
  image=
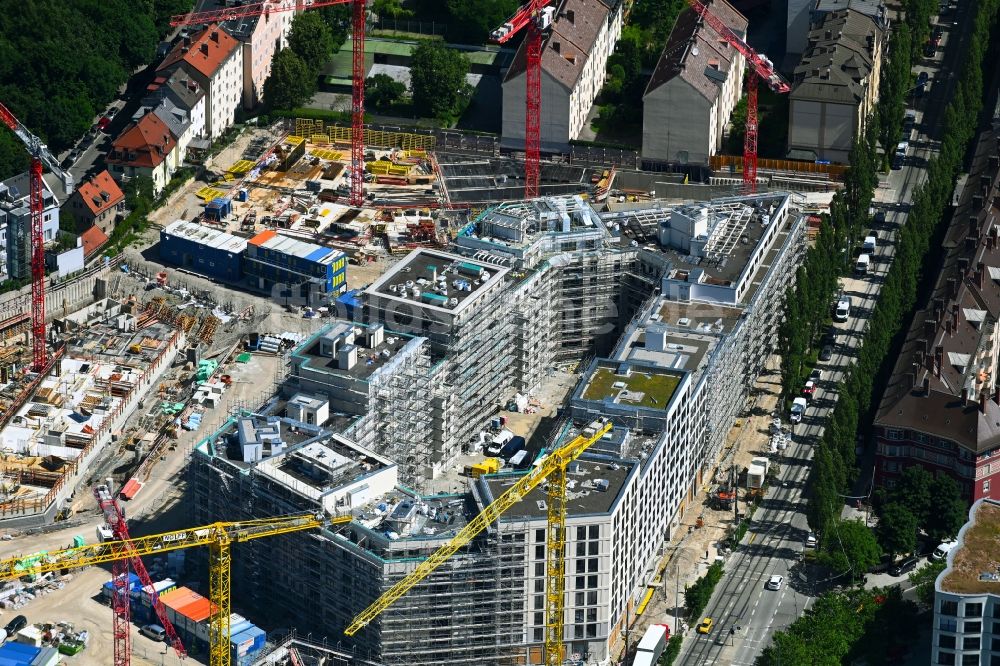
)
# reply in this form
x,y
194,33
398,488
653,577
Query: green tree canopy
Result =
x,y
312,40
849,547
923,580
897,529
950,509
289,85
437,79
382,91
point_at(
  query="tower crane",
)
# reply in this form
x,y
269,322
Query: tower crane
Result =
x,y
759,68
114,516
219,538
536,17
358,19
553,470
40,156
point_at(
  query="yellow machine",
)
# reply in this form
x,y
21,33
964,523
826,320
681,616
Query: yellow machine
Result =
x,y
217,536
551,469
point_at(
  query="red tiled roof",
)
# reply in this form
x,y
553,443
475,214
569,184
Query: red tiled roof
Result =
x,y
144,144
206,52
100,193
93,240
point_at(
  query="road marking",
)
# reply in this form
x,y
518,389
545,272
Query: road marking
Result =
x,y
753,535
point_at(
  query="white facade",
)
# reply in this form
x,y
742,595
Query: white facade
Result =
x,y
225,94
260,38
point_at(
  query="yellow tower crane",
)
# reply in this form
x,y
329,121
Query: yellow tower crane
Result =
x,y
217,536
552,469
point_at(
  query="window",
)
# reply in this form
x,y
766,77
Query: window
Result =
x,y
986,486
540,535
893,434
970,643
578,615
540,569
581,548
580,582
592,547
539,601
539,618
591,598
946,641
579,598
592,583
592,565
973,610
947,658
540,552
595,531
580,566
591,631
539,585
970,660
949,607
973,627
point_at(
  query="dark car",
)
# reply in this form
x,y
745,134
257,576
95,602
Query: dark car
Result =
x,y
904,567
103,123
16,625
930,48
826,353
880,217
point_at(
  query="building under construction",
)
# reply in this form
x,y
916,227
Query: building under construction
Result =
x,y
705,283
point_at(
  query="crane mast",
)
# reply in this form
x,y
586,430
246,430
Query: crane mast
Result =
x,y
40,157
553,470
358,24
760,68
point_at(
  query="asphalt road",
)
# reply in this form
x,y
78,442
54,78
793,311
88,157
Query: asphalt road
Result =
x,y
745,613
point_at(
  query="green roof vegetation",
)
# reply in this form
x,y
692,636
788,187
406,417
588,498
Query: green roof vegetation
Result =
x,y
656,388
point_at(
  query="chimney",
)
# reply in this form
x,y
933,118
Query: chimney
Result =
x,y
982,402
977,201
963,266
970,243
974,226
954,320
952,289
980,274
555,46
938,360
204,49
994,162
911,380
919,357
927,386
930,327
571,16
989,242
828,34
947,327
215,36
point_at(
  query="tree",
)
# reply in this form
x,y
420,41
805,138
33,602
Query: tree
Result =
x,y
312,40
850,547
393,8
950,509
914,489
382,91
923,580
473,20
289,85
437,79
897,529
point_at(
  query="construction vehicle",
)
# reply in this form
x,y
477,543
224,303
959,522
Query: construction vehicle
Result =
x,y
758,67
219,538
551,469
40,156
358,21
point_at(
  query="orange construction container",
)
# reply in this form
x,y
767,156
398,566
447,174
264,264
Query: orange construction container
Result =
x,y
196,611
180,598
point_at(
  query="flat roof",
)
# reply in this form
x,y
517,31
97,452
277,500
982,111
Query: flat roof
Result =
x,y
974,564
441,281
370,359
594,484
205,236
296,248
520,223
643,386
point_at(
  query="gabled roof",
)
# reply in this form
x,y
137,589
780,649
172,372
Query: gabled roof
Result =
x,y
838,58
178,87
695,53
205,53
575,29
100,193
176,119
143,144
93,240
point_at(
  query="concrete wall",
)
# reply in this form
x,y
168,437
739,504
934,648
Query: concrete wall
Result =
x,y
824,127
677,124
554,117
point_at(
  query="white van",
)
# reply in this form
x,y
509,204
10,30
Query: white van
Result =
x,y
943,549
498,442
864,261
868,247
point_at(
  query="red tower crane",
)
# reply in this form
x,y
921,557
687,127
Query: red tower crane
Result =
x,y
358,20
536,17
40,156
115,519
759,67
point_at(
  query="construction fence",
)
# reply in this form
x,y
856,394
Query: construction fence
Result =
x,y
320,133
734,164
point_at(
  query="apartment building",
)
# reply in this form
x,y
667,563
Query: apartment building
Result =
x,y
260,37
96,202
835,86
695,86
941,404
380,381
294,267
575,51
145,148
802,14
214,61
15,225
967,594
184,99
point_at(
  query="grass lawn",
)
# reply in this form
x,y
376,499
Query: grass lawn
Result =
x,y
656,388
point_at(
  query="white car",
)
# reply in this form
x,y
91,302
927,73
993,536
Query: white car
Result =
x,y
798,409
774,582
843,310
811,540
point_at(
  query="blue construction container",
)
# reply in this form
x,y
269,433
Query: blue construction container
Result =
x,y
218,209
203,250
133,585
304,268
348,303
247,644
18,654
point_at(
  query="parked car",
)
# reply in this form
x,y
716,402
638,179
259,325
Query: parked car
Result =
x,y
809,390
16,625
943,549
798,410
826,353
774,582
816,375
922,80
904,567
154,632
706,625
102,124
909,119
811,540
930,49
880,217
843,310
